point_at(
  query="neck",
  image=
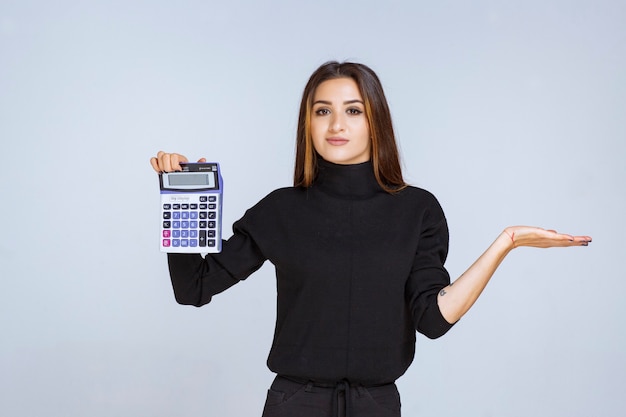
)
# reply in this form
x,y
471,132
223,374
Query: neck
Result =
x,y
347,181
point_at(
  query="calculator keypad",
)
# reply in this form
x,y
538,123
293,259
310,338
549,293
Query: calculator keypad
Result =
x,y
191,225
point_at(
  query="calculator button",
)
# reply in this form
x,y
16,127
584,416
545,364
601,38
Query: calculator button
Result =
x,y
203,206
212,214
175,233
193,215
184,206
202,238
166,243
193,207
176,224
184,224
184,243
176,215
211,243
184,233
166,224
211,233
166,233
176,206
184,215
193,233
193,224
202,198
212,198
212,206
175,243
202,224
211,225
203,214
167,206
193,243
167,215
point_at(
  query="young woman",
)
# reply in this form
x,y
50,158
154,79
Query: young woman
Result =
x,y
359,257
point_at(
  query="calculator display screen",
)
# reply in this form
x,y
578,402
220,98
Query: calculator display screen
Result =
x,y
190,181
204,179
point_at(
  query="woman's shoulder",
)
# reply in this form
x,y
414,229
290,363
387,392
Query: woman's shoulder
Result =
x,y
423,201
283,193
278,198
418,193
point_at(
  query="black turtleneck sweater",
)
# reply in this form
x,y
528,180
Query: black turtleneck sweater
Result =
x,y
358,271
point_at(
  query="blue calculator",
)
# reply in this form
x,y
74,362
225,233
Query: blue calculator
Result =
x,y
191,209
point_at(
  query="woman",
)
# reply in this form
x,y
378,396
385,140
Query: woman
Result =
x,y
359,257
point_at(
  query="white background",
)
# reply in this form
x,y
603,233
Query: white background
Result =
x,y
510,112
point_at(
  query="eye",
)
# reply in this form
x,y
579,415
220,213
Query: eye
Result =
x,y
322,111
354,111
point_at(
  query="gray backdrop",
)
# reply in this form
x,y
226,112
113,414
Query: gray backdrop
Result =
x,y
509,112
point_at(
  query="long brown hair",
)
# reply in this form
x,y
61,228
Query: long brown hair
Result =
x,y
385,157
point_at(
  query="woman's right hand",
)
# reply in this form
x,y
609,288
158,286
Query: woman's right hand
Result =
x,y
168,162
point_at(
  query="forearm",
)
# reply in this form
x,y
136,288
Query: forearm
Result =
x,y
457,298
195,280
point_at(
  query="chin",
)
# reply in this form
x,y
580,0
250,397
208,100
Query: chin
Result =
x,y
344,160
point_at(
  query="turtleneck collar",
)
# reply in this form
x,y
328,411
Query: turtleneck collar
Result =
x,y
347,181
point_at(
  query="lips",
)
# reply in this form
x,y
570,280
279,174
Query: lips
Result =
x,y
337,141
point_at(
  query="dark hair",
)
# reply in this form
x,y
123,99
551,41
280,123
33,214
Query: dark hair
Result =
x,y
385,157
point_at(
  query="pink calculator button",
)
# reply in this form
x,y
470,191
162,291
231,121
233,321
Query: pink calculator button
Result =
x,y
166,243
166,233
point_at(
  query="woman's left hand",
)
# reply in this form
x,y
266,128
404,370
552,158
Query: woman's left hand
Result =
x,y
541,238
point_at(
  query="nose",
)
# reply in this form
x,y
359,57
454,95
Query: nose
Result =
x,y
337,123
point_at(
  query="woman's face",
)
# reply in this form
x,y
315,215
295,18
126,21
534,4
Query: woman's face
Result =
x,y
339,127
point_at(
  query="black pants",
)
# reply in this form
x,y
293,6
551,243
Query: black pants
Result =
x,y
290,398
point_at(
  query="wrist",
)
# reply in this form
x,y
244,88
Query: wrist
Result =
x,y
508,235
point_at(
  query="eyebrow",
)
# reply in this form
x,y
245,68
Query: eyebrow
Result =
x,y
345,102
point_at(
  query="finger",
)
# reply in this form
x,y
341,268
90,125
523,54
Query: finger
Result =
x,y
159,161
165,162
554,239
566,236
202,160
155,164
583,239
580,240
176,160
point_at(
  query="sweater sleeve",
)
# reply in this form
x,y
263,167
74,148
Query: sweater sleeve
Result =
x,y
428,275
196,279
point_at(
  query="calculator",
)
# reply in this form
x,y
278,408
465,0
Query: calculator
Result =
x,y
191,209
